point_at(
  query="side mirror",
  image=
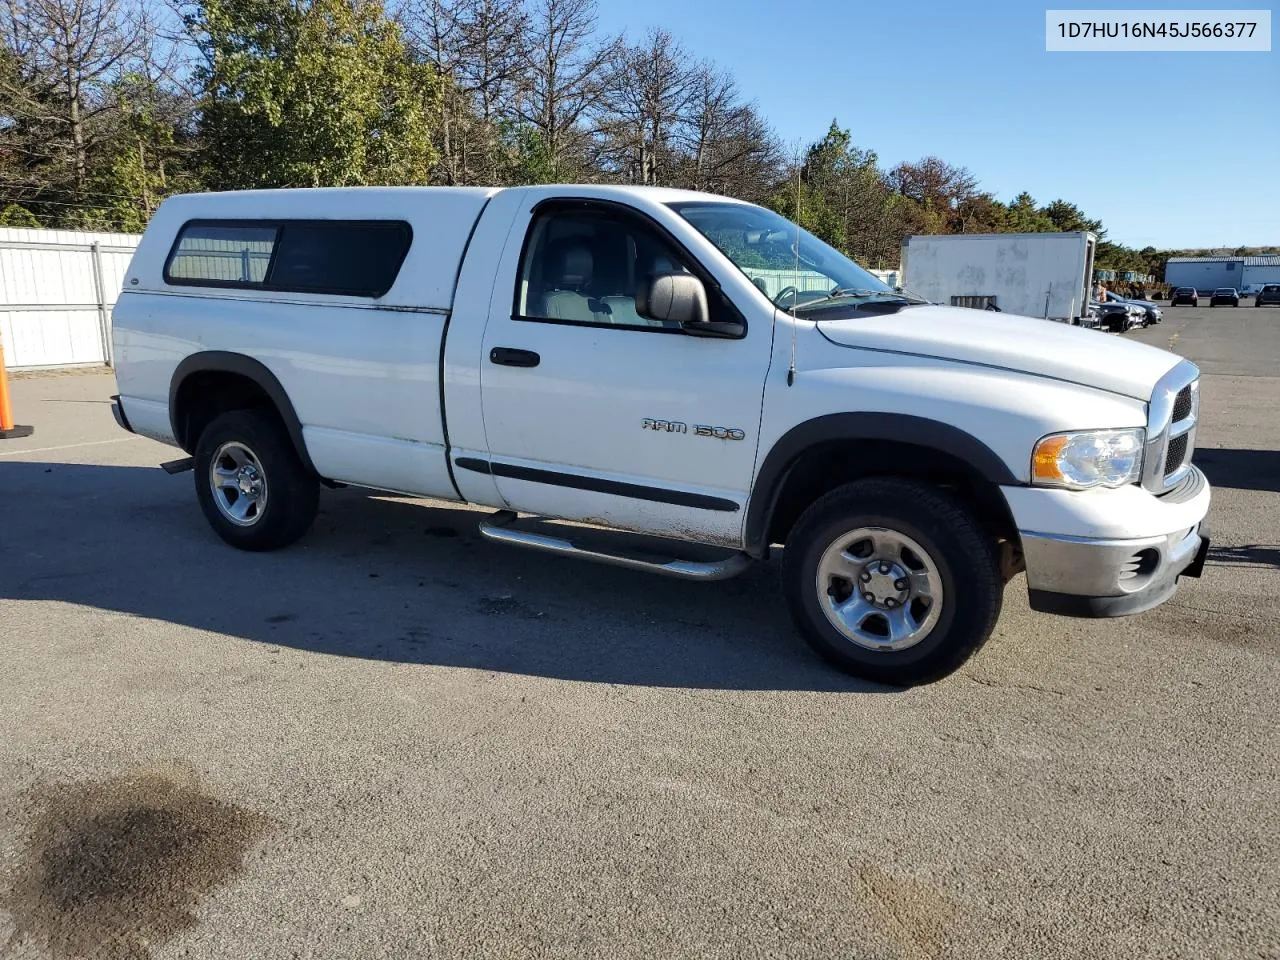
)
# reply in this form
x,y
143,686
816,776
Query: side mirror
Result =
x,y
678,297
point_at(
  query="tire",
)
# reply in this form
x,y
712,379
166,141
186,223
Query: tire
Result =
x,y
958,560
252,447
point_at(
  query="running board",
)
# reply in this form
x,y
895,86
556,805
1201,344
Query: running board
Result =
x,y
172,467
498,527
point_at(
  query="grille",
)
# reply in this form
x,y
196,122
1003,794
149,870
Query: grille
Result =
x,y
985,302
1182,405
1171,429
1176,455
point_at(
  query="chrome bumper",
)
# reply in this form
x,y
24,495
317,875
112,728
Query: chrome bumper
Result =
x,y
1077,576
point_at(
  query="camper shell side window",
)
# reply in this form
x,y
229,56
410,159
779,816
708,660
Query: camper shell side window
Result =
x,y
351,258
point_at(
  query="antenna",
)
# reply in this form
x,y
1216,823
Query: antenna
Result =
x,y
795,297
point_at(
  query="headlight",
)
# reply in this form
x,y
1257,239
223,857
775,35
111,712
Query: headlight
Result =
x,y
1088,458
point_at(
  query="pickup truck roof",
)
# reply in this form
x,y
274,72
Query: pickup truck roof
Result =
x,y
440,218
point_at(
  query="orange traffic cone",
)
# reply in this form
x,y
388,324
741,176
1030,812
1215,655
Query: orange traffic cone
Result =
x,y
8,430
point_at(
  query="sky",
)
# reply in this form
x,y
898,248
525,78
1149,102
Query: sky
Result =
x,y
1171,150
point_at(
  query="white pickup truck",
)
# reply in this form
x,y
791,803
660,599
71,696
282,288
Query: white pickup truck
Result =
x,y
664,363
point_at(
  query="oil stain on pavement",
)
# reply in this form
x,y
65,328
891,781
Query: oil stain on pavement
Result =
x,y
113,869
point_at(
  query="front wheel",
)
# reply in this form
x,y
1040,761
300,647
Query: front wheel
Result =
x,y
252,487
892,580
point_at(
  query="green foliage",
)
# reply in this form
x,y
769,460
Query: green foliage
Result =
x,y
1068,218
1023,216
841,195
524,155
311,93
15,216
149,158
300,93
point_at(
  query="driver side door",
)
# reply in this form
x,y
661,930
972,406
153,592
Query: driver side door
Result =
x,y
593,412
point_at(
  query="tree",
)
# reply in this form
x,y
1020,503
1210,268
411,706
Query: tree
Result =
x,y
60,60
476,48
303,93
563,67
937,189
151,153
1023,216
981,213
726,145
647,93
1068,218
845,199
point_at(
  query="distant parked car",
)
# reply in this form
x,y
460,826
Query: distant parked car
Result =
x,y
1185,295
1269,294
1151,312
1116,317
1223,296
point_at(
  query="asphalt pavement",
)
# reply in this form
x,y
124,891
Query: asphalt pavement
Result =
x,y
398,740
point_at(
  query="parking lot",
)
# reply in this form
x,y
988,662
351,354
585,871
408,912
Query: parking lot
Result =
x,y
398,740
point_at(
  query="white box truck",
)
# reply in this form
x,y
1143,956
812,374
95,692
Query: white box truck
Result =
x,y
1045,275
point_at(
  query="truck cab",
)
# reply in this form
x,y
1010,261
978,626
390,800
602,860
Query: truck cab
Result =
x,y
666,363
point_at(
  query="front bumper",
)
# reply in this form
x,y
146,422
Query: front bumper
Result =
x,y
1082,558
1110,578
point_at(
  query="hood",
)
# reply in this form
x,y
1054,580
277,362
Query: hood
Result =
x,y
1044,348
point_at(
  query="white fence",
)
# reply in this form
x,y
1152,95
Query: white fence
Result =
x,y
57,288
773,282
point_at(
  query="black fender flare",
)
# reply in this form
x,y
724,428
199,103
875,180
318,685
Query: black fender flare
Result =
x,y
222,361
776,467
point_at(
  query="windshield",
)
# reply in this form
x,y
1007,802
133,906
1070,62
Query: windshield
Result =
x,y
762,245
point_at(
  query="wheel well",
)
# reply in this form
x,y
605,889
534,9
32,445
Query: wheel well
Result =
x,y
828,465
206,394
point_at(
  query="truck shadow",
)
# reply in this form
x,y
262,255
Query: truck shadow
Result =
x,y
1249,555
1240,469
391,579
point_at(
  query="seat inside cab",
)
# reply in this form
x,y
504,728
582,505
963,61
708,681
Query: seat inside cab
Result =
x,y
587,268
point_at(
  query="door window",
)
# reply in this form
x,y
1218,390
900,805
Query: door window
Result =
x,y
586,267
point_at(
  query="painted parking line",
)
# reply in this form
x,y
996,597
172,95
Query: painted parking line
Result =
x,y
68,446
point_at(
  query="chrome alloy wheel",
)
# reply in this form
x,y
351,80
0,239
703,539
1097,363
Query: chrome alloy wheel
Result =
x,y
879,588
239,484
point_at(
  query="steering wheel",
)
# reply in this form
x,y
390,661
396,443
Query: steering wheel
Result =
x,y
783,292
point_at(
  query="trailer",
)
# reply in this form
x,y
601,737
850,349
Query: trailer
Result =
x,y
1044,275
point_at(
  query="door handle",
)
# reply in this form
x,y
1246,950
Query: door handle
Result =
x,y
511,357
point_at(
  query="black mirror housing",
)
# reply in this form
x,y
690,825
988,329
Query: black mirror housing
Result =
x,y
678,297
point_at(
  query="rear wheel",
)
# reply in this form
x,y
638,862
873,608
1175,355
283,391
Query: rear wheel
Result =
x,y
252,487
892,580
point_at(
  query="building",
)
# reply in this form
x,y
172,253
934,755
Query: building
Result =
x,y
1259,271
1205,273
